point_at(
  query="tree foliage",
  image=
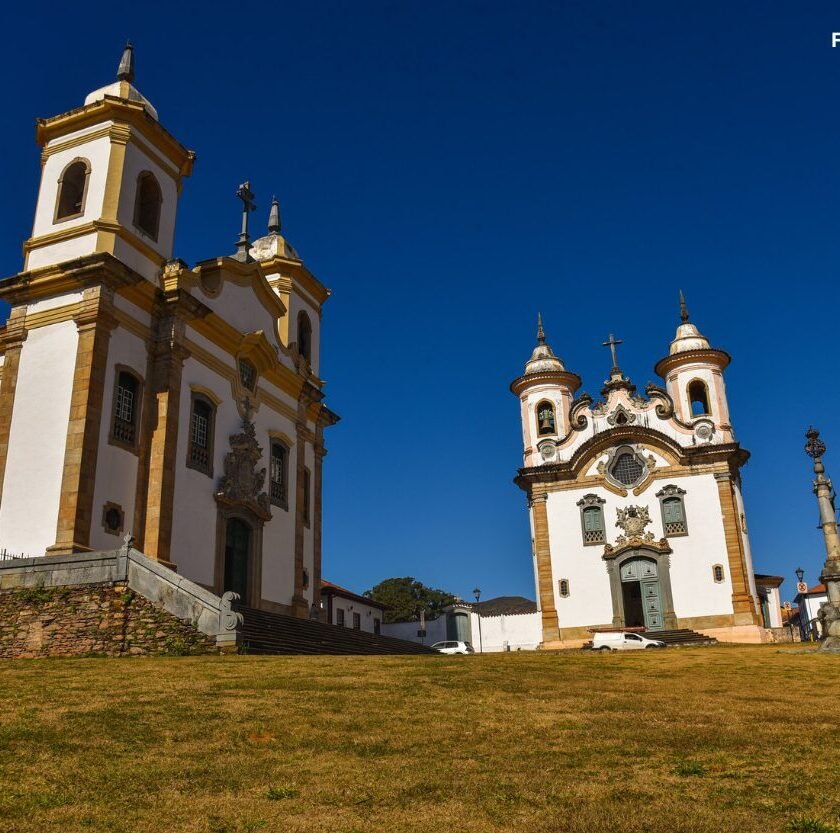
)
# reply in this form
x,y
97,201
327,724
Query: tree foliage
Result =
x,y
405,597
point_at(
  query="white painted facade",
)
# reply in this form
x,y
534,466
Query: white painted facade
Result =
x,y
346,609
622,463
183,334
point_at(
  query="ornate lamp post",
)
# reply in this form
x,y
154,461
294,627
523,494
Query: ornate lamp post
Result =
x,y
477,594
830,610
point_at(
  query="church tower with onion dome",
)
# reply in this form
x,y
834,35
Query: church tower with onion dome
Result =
x,y
637,517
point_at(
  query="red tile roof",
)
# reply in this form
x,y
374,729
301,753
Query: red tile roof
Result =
x,y
337,590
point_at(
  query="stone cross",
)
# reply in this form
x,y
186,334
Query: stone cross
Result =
x,y
245,194
612,343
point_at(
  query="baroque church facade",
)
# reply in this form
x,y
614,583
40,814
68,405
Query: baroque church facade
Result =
x,y
637,517
141,396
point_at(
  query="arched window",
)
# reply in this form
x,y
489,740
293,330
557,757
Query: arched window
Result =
x,y
546,423
304,339
126,409
698,397
147,204
202,423
279,485
627,469
717,573
564,588
671,499
592,519
72,190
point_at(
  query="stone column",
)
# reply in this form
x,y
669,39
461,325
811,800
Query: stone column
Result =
x,y
550,625
95,321
300,607
830,577
13,340
743,603
160,462
317,491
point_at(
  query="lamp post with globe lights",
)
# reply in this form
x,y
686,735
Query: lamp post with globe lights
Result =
x,y
830,577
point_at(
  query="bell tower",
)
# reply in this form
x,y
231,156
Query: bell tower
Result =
x,y
693,374
110,180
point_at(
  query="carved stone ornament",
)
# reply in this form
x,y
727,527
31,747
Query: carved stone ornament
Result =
x,y
704,430
547,450
621,416
632,521
242,483
229,619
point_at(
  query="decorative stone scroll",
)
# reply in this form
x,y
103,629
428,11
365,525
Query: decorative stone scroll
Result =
x,y
633,520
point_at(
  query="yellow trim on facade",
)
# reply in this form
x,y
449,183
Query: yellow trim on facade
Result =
x,y
208,392
52,316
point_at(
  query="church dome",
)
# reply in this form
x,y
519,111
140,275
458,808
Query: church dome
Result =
x,y
542,359
688,337
123,87
273,244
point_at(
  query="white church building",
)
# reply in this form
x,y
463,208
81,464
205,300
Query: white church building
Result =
x,y
635,504
139,395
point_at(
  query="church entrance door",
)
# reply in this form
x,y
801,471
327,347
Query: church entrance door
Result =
x,y
237,558
641,594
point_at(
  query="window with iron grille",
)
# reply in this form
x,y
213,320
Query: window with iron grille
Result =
x,y
627,469
278,486
126,406
564,588
201,436
672,501
592,519
717,573
247,374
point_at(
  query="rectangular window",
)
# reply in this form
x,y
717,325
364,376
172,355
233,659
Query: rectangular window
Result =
x,y
377,626
247,374
200,455
306,501
279,474
593,525
339,616
673,516
126,408
357,622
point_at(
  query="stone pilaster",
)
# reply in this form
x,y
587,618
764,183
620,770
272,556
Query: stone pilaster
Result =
x,y
95,321
545,576
743,603
300,606
13,340
156,478
317,502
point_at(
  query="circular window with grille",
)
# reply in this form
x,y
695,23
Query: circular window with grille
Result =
x,y
627,469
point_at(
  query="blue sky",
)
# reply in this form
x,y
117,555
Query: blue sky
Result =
x,y
448,169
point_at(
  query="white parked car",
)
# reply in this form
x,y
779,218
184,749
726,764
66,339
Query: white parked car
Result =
x,y
454,647
621,641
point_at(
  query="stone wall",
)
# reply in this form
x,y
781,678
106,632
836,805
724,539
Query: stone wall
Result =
x,y
105,619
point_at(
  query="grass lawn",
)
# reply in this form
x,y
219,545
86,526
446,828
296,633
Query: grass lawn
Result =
x,y
715,739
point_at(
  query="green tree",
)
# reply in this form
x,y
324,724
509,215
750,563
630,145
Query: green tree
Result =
x,y
405,597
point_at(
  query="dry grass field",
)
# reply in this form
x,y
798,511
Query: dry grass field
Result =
x,y
716,739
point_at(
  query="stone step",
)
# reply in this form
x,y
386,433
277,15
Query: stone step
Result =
x,y
264,632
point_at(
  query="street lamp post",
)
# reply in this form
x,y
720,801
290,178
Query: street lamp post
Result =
x,y
829,611
477,594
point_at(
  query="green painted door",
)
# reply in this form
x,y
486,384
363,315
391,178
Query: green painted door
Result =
x,y
237,556
643,571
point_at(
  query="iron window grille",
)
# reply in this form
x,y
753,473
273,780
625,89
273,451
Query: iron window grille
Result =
x,y
627,469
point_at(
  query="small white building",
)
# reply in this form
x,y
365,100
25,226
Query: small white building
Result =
x,y
507,623
809,602
769,599
347,609
635,503
141,396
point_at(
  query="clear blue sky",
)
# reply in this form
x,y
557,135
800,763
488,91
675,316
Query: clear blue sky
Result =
x,y
450,168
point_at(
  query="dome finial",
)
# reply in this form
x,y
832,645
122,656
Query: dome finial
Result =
x,y
540,331
125,71
683,308
274,217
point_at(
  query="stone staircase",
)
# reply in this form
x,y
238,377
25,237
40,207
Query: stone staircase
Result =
x,y
681,638
263,632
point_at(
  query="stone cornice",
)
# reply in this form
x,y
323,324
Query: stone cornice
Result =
x,y
718,358
731,453
561,378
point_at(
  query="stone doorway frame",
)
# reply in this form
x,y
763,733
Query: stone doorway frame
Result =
x,y
661,557
228,513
